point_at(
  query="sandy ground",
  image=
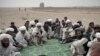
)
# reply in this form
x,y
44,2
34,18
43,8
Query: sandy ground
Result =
x,y
19,17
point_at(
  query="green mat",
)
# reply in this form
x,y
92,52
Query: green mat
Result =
x,y
51,48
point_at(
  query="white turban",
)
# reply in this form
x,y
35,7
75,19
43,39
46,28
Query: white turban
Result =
x,y
75,24
39,24
22,28
49,20
2,36
97,35
32,23
68,21
9,29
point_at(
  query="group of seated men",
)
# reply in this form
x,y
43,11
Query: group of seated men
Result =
x,y
84,41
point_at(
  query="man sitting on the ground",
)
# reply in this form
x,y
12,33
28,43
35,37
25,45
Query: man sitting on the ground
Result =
x,y
6,46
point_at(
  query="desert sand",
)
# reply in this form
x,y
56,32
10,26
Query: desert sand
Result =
x,y
86,15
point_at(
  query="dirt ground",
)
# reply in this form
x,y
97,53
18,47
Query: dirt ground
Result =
x,y
86,15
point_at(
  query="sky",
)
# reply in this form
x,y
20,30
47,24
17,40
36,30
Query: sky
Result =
x,y
49,3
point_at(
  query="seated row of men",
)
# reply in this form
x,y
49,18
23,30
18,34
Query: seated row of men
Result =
x,y
13,39
36,33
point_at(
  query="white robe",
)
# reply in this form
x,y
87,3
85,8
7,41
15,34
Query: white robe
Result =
x,y
10,51
77,46
71,32
91,42
30,32
20,38
50,32
36,30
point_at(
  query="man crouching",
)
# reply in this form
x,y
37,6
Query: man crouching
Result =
x,y
39,35
6,46
22,37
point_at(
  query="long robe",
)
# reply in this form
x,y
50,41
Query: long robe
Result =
x,y
20,38
41,32
50,32
77,46
70,30
10,51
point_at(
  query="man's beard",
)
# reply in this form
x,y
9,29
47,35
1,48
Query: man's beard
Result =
x,y
5,45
